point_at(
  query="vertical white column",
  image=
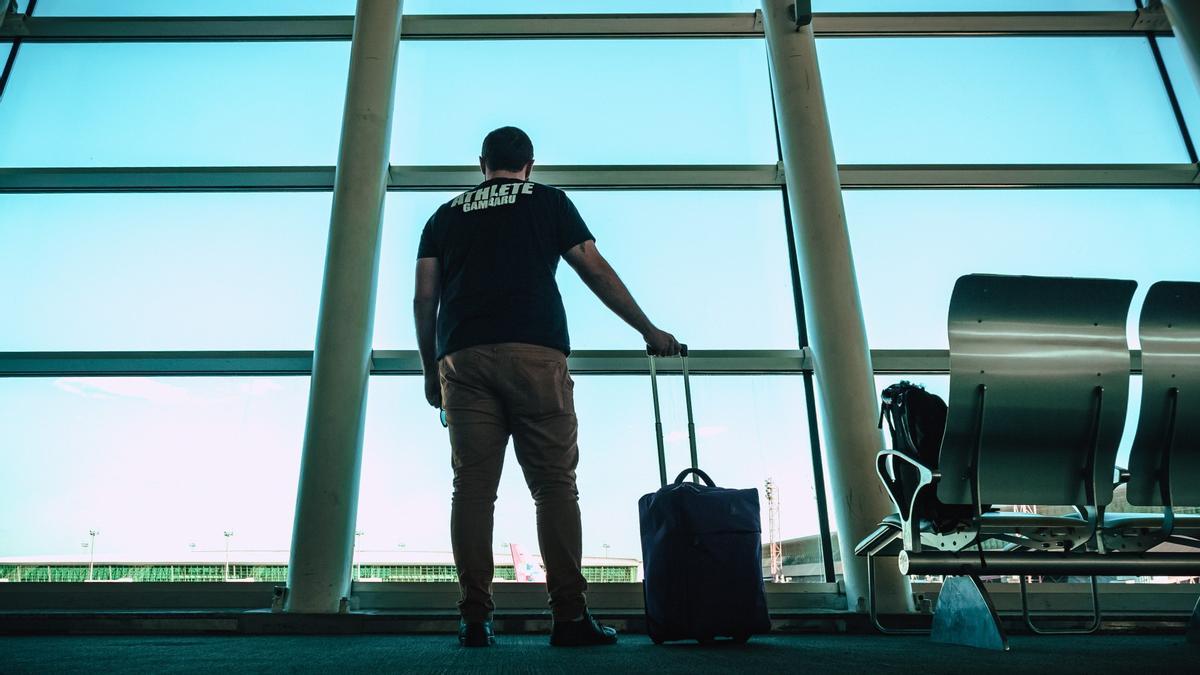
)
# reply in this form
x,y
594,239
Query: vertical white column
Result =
x,y
327,499
832,309
1184,16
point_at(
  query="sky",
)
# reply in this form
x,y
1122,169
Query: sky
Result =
x,y
157,464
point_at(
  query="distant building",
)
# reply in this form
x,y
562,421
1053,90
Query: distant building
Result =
x,y
272,566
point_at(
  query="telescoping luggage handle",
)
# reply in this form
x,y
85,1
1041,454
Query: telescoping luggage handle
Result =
x,y
658,428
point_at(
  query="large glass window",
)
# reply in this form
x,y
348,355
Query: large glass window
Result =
x,y
911,246
161,271
973,6
192,7
1187,89
155,465
748,430
130,104
587,101
711,267
575,6
997,100
268,7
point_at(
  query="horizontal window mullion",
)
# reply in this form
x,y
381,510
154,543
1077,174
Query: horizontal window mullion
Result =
x,y
579,26
407,362
601,177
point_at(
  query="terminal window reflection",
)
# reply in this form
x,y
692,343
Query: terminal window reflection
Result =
x,y
159,467
710,266
749,429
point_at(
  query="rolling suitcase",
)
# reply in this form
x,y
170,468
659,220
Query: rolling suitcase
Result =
x,y
701,551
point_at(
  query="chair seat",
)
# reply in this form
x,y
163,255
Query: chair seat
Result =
x,y
1003,520
1009,520
883,540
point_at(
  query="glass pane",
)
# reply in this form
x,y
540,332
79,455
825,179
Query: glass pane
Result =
x,y
997,100
641,101
973,6
575,6
192,7
284,7
940,385
1187,89
753,429
930,238
161,467
161,271
748,430
163,104
729,253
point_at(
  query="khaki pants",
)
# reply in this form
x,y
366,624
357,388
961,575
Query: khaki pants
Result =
x,y
491,392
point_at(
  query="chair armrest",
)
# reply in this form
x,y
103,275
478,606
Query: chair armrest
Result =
x,y
1120,476
925,477
905,502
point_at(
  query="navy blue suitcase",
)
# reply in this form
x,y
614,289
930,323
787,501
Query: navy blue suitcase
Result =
x,y
702,554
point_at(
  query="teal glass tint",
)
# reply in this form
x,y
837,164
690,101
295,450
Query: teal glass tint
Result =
x,y
575,6
1185,83
712,267
976,100
586,101
911,246
155,464
749,428
192,7
161,271
973,5
171,104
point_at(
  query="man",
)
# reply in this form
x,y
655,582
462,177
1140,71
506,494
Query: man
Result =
x,y
492,333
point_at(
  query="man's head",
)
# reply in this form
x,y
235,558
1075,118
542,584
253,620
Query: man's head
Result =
x,y
507,151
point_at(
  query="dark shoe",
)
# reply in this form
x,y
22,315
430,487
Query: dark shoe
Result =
x,y
582,633
476,634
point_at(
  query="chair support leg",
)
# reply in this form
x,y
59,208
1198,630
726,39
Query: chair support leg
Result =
x,y
1089,629
965,615
873,610
1193,634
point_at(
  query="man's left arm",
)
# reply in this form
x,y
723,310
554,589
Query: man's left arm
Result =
x,y
425,310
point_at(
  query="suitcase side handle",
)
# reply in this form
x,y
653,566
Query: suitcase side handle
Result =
x,y
703,476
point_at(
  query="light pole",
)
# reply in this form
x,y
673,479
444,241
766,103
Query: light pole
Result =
x,y
228,536
92,552
605,547
357,566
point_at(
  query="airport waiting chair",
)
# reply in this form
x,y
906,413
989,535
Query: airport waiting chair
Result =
x,y
1164,463
1039,383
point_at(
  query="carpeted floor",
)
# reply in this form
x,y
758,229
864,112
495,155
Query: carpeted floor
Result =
x,y
635,654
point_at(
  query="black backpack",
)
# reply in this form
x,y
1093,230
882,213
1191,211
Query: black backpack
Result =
x,y
917,421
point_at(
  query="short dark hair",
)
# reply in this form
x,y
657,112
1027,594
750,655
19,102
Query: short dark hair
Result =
x,y
507,149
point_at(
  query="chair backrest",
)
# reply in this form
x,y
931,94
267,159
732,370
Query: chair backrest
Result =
x,y
1053,356
1170,333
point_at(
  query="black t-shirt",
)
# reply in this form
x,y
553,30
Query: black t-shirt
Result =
x,y
499,246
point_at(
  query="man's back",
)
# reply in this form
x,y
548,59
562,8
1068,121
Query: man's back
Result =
x,y
492,333
498,246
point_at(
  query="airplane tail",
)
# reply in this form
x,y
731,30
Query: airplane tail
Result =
x,y
525,570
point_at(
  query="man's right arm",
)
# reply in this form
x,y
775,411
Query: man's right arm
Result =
x,y
600,277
